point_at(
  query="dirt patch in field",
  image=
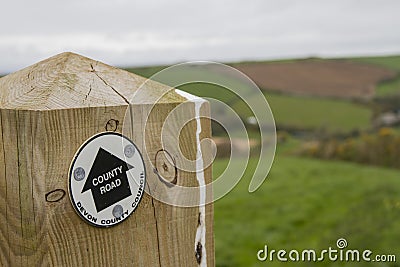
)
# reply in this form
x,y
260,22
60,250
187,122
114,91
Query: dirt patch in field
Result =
x,y
334,78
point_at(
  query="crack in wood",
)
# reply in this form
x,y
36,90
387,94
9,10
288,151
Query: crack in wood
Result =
x,y
106,83
90,90
5,175
158,237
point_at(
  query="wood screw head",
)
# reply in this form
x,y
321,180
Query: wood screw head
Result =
x,y
79,174
117,211
129,151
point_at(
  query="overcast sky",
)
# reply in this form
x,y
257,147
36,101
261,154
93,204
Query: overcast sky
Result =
x,y
134,33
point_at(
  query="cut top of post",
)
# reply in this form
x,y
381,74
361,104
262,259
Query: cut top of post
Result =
x,y
69,81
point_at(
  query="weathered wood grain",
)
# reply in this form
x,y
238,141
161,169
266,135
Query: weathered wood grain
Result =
x,y
46,112
177,226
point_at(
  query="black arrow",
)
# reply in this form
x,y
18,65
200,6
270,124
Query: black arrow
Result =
x,y
107,180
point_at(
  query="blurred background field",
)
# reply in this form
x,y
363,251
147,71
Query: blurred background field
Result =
x,y
336,171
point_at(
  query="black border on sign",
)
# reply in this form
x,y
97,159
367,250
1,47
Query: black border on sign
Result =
x,y
70,177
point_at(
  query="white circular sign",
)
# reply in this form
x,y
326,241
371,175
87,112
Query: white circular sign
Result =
x,y
106,179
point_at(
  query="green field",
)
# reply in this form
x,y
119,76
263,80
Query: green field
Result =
x,y
389,88
317,113
313,113
390,62
385,88
310,113
146,71
308,204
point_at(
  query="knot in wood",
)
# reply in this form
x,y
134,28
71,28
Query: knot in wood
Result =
x,y
166,167
55,195
112,125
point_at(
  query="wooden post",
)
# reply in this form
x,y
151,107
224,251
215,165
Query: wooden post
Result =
x,y
47,111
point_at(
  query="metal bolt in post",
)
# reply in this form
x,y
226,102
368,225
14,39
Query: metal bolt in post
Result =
x,y
129,151
117,211
79,174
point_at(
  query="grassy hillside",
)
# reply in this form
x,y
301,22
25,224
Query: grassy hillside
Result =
x,y
390,62
315,113
308,204
312,113
146,71
386,88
